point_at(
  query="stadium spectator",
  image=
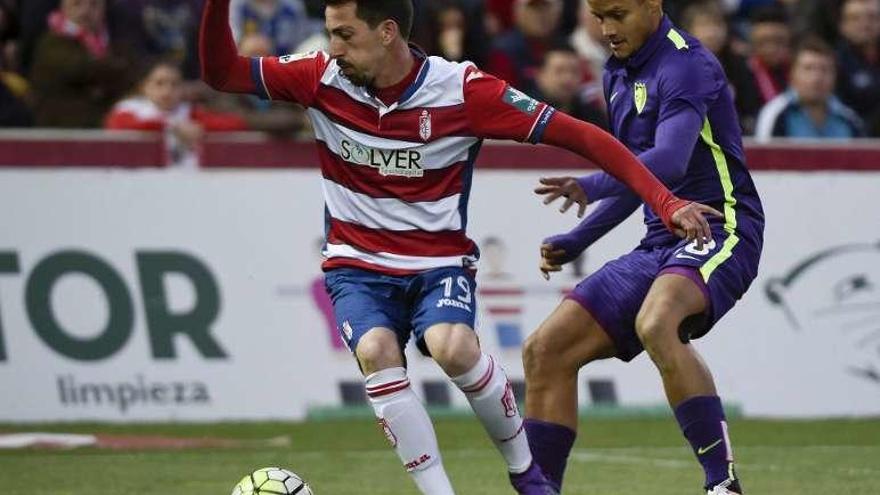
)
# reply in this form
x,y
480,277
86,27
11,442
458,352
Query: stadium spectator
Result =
x,y
559,82
588,42
705,20
159,106
75,76
858,53
770,39
158,28
516,55
452,29
809,108
285,22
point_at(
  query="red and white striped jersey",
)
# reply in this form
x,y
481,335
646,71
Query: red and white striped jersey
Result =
x,y
396,178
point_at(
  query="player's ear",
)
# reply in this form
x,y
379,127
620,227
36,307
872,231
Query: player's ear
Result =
x,y
388,31
655,6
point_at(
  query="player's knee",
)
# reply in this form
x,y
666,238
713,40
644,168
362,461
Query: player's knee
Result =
x,y
378,350
651,327
533,352
657,332
540,357
456,350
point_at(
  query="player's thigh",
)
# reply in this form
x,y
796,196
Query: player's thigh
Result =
x,y
370,315
565,341
443,318
454,346
674,298
613,295
723,270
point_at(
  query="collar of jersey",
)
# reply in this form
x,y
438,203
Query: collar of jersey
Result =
x,y
419,55
638,59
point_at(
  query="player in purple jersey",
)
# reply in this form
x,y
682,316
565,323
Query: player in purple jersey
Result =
x,y
668,103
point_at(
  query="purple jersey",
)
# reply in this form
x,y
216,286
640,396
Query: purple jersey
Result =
x,y
669,103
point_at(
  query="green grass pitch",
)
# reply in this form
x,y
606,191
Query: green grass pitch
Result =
x,y
348,457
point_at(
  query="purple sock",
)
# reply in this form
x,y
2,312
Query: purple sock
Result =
x,y
703,424
550,444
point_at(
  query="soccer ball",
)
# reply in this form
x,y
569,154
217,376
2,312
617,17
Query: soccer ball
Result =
x,y
272,481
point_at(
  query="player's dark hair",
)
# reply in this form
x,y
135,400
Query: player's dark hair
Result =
x,y
814,44
375,11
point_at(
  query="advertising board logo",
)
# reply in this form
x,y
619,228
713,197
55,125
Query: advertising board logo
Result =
x,y
165,326
834,294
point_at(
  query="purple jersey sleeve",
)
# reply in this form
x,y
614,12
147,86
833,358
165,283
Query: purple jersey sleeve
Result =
x,y
674,140
599,222
686,87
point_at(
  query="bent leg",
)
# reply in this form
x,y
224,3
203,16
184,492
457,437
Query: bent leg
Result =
x,y
482,379
689,386
568,339
400,413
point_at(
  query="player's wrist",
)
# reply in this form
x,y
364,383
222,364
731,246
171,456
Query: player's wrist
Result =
x,y
671,205
587,183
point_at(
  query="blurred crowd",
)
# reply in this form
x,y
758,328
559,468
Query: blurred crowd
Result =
x,y
797,68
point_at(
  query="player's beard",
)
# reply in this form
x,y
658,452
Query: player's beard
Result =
x,y
355,77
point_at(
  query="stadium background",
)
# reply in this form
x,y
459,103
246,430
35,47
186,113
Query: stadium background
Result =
x,y
172,311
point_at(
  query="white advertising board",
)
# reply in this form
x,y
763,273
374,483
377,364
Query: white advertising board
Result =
x,y
155,295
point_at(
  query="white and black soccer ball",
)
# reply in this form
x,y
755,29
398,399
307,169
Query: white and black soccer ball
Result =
x,y
272,481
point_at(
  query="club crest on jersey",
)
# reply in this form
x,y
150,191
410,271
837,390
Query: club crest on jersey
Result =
x,y
640,96
425,125
519,100
402,162
286,59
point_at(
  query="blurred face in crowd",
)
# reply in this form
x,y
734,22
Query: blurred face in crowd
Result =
x,y
710,29
560,76
860,22
88,14
812,77
164,87
357,48
451,24
538,18
771,43
626,24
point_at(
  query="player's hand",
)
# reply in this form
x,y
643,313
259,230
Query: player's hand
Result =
x,y
563,187
552,259
690,222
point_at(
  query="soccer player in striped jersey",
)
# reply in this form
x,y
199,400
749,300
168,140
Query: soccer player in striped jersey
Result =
x,y
668,102
397,134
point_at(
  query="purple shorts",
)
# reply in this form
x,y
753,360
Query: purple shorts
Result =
x,y
613,295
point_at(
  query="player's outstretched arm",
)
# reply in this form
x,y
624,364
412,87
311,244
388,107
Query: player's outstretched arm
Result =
x,y
682,217
222,67
560,249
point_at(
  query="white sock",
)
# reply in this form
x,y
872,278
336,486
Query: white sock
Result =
x,y
491,397
408,428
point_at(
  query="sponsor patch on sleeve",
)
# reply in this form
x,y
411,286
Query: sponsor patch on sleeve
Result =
x,y
519,100
286,59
